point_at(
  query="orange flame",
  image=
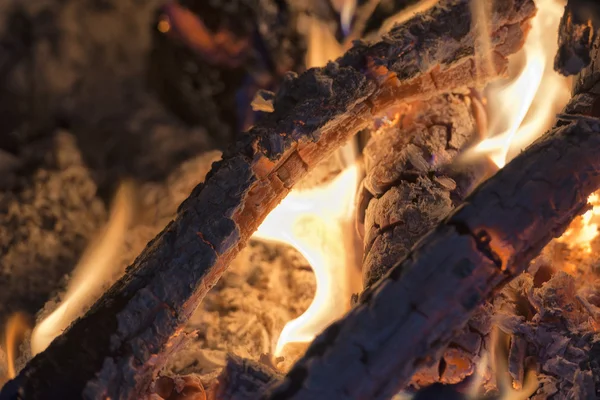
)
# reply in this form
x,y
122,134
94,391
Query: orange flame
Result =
x,y
585,228
314,221
93,272
16,328
523,108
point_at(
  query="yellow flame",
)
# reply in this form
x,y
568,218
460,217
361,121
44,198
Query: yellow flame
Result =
x,y
315,221
95,269
16,327
522,109
322,45
585,228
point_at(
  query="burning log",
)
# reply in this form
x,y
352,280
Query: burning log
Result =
x,y
578,30
481,246
114,350
411,186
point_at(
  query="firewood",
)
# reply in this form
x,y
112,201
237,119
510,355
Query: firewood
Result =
x,y
115,348
410,186
410,181
478,248
578,29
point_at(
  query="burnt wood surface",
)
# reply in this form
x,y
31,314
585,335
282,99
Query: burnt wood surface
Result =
x,y
412,182
483,244
115,348
578,30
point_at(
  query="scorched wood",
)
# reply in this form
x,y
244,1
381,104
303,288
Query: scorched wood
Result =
x,y
406,320
115,348
578,30
412,184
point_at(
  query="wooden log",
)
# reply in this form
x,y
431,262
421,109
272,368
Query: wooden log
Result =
x,y
410,186
577,33
115,348
483,244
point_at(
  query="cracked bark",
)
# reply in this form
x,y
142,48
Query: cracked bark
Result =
x,y
411,184
577,33
117,346
483,244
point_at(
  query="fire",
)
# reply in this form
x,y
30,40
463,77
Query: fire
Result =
x,y
16,328
523,108
95,269
317,222
584,229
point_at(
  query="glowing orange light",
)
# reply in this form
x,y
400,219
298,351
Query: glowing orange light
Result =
x,y
522,109
164,25
16,327
314,221
94,270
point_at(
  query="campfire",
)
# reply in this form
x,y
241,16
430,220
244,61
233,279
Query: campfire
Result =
x,y
411,209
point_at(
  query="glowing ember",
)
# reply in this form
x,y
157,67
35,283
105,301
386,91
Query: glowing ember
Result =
x,y
315,222
95,269
16,328
522,109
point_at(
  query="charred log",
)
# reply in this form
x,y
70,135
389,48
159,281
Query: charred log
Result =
x,y
115,349
578,30
481,246
485,243
412,184
410,179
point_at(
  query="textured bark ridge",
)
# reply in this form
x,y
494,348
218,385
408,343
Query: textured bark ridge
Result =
x,y
484,243
577,33
432,293
409,182
410,186
115,348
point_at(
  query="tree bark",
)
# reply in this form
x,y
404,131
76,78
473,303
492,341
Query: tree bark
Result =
x,y
408,318
413,182
114,350
577,33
